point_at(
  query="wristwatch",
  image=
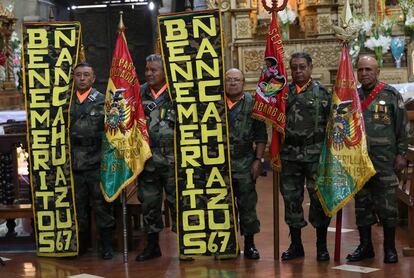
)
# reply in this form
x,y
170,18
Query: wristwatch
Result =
x,y
261,159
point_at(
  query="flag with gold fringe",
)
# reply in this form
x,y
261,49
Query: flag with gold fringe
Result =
x,y
272,91
125,145
344,165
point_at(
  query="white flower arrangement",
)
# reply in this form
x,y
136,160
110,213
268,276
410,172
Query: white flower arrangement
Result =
x,y
386,26
409,19
364,24
287,16
382,41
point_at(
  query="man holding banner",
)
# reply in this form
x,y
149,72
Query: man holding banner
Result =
x,y
246,162
86,130
158,173
385,119
307,111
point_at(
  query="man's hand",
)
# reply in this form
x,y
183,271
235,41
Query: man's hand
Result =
x,y
399,163
256,169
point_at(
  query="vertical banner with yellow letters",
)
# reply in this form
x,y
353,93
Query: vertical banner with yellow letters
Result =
x,y
50,52
191,45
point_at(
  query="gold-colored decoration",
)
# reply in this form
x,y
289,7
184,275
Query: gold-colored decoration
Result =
x,y
347,31
223,5
7,22
253,60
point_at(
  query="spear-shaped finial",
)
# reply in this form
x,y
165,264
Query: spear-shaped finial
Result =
x,y
51,15
346,14
121,26
346,32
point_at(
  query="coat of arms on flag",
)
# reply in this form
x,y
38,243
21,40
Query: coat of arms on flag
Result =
x,y
344,164
125,145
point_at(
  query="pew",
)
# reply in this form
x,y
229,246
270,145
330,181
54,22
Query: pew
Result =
x,y
405,190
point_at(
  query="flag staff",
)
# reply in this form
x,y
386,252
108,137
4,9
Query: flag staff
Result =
x,y
276,175
345,33
121,29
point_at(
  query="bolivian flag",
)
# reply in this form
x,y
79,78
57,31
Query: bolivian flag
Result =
x,y
344,164
125,146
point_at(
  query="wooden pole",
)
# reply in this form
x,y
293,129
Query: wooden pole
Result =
x,y
124,220
338,234
276,182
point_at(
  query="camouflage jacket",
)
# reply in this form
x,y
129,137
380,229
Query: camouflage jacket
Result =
x,y
306,117
244,131
386,126
161,120
86,130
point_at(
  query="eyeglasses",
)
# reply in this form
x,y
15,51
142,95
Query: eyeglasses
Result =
x,y
233,79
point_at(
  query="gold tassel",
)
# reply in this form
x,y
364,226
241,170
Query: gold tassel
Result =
x,y
82,55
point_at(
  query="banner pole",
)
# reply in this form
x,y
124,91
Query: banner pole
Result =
x,y
276,181
338,234
124,222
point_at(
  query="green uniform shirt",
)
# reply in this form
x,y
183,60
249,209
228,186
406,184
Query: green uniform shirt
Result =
x,y
244,131
86,130
306,117
386,126
160,123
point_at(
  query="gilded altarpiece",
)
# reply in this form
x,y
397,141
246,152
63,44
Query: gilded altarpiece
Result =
x,y
246,23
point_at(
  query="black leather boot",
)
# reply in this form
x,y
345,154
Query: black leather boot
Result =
x,y
106,239
322,253
83,243
365,249
390,253
250,251
152,250
295,249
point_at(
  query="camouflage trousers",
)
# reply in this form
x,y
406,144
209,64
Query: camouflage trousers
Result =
x,y
378,200
87,194
244,190
151,186
293,177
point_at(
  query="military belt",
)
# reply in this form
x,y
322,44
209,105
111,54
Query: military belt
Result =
x,y
302,141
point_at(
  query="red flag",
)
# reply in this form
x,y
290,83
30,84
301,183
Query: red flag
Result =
x,y
272,91
339,176
125,145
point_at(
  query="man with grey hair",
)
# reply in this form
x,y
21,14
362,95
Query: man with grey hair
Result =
x,y
158,173
307,110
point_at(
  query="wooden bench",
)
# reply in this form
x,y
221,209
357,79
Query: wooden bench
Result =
x,y
405,191
8,143
11,212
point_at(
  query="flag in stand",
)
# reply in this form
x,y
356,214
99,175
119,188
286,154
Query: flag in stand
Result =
x,y
125,146
272,91
344,164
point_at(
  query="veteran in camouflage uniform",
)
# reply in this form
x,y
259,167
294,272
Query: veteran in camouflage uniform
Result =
x,y
385,119
307,111
86,130
158,174
248,139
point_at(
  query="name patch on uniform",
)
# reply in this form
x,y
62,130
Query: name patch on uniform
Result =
x,y
192,52
50,52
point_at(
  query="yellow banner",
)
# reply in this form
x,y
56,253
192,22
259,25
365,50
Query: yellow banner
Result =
x,y
50,53
192,50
